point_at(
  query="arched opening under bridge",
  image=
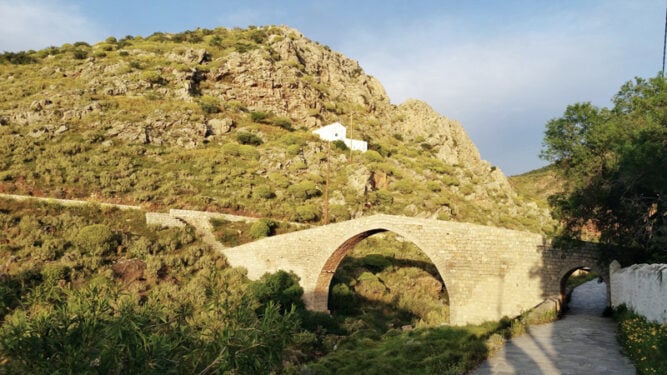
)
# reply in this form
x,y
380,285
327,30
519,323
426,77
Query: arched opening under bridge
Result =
x,y
385,275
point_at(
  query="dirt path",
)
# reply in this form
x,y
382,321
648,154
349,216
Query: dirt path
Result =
x,y
583,342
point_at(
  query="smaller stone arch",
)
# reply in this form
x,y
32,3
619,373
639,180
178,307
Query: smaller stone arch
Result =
x,y
589,265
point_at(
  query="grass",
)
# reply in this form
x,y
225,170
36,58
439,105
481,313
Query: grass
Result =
x,y
644,342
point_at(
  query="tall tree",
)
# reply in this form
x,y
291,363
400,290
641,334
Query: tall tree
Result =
x,y
615,164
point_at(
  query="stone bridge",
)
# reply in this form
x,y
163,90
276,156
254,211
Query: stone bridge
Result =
x,y
489,272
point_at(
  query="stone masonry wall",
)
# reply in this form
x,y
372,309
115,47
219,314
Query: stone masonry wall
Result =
x,y
488,272
642,288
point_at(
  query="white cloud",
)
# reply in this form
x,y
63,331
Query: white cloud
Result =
x,y
505,83
39,24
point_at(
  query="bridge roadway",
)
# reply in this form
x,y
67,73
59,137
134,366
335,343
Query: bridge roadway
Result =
x,y
489,272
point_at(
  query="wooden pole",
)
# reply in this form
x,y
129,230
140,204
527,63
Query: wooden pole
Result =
x,y
326,188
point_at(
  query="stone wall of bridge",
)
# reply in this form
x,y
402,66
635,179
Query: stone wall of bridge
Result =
x,y
489,272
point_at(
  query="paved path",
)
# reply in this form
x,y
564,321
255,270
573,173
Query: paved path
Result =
x,y
583,342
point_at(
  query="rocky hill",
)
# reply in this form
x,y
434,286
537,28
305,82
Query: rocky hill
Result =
x,y
221,119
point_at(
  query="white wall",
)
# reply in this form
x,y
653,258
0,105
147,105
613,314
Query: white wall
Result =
x,y
356,144
642,288
332,132
338,132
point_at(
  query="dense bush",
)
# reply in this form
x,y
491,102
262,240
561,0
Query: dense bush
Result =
x,y
257,116
262,228
17,58
248,139
281,289
306,213
304,190
340,145
96,239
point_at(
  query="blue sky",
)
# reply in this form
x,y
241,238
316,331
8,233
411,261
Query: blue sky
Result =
x,y
502,68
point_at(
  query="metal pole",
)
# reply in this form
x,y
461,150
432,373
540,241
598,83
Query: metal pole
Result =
x,y
664,44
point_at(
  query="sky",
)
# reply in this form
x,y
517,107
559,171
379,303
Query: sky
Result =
x,y
503,69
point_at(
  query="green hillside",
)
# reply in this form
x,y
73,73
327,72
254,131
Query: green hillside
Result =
x,y
221,120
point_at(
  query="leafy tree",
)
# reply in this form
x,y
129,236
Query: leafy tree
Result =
x,y
614,163
280,288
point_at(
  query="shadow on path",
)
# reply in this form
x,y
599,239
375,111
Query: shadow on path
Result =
x,y
583,342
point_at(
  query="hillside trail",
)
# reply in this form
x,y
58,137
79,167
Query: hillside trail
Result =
x,y
583,342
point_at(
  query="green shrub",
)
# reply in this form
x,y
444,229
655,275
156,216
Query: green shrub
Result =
x,y
306,213
52,273
248,139
17,58
381,198
279,179
96,239
303,190
293,150
262,228
154,78
338,213
406,186
280,288
264,192
340,145
466,189
372,156
433,186
261,117
79,54
249,152
209,104
342,300
283,122
450,180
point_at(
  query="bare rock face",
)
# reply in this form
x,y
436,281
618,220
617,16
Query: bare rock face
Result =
x,y
446,136
297,80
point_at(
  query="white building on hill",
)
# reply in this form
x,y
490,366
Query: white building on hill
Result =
x,y
338,132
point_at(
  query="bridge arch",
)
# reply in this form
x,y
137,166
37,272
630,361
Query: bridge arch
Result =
x,y
580,260
489,272
325,277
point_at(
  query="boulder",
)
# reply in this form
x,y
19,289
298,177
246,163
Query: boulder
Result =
x,y
219,126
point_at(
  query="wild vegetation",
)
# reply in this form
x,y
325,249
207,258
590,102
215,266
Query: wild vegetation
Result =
x,y
644,342
94,290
